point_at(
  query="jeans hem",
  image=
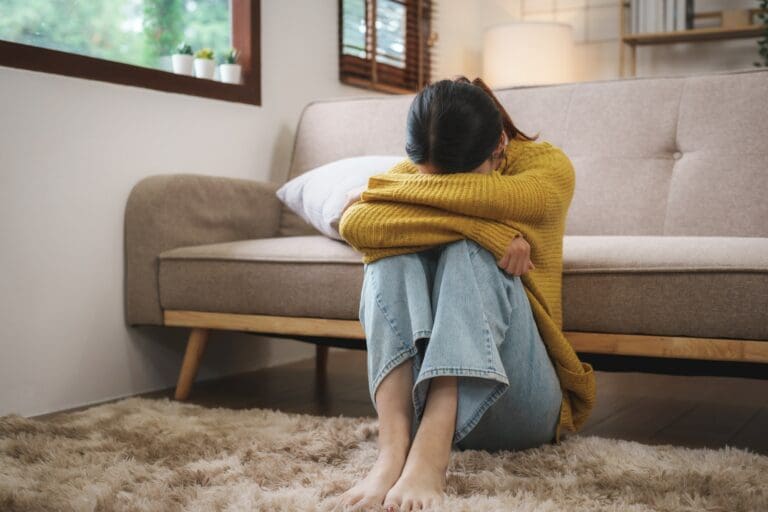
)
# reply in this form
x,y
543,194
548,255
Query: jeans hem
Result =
x,y
462,372
421,333
461,433
394,361
462,430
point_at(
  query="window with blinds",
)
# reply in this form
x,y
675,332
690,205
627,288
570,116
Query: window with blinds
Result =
x,y
399,31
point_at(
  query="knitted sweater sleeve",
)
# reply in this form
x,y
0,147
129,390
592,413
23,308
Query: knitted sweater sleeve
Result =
x,y
533,188
376,228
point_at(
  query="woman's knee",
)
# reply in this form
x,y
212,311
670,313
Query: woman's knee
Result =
x,y
467,258
395,265
401,275
463,244
463,249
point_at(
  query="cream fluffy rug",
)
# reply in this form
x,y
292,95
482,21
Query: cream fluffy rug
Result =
x,y
163,455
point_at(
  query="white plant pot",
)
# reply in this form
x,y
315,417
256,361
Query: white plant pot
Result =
x,y
182,64
205,68
230,73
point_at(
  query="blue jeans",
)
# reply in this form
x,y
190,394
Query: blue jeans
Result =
x,y
454,312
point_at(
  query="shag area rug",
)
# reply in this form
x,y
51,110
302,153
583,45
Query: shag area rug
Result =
x,y
163,455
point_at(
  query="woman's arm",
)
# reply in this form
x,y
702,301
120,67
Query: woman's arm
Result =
x,y
404,166
368,226
534,190
353,196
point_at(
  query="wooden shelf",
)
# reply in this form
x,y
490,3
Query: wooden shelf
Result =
x,y
694,35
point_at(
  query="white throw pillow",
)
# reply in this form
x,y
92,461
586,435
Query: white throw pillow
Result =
x,y
318,196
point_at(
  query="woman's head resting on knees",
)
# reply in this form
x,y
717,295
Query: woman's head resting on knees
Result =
x,y
458,126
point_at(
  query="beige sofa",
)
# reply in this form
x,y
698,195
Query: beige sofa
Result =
x,y
665,252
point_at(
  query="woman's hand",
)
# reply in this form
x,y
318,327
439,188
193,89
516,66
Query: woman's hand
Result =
x,y
517,259
353,196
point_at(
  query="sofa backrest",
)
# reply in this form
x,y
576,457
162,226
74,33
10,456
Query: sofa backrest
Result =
x,y
653,156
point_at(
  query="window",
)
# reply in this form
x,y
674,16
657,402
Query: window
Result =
x,y
400,32
131,41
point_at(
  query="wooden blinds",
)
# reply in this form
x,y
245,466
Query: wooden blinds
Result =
x,y
399,31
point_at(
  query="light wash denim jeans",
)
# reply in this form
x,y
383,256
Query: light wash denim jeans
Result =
x,y
455,312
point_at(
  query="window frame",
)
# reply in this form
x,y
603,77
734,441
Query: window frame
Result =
x,y
245,37
418,64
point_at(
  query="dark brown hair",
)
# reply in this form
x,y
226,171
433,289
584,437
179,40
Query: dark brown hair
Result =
x,y
455,125
509,127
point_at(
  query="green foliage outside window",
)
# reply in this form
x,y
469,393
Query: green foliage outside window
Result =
x,y
390,31
141,32
163,27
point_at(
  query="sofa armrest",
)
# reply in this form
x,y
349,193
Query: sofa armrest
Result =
x,y
168,211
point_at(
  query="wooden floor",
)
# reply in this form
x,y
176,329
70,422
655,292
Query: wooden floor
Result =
x,y
693,411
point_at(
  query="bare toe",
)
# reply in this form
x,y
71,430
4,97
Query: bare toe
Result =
x,y
349,499
392,504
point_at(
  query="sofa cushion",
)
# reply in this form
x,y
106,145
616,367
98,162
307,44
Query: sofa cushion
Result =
x,y
709,287
311,276
612,254
713,287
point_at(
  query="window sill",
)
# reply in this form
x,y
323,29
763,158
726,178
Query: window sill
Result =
x,y
34,58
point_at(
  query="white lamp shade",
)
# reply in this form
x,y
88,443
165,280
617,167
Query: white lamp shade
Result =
x,y
528,53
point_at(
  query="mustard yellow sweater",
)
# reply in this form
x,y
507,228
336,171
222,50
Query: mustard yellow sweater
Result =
x,y
404,211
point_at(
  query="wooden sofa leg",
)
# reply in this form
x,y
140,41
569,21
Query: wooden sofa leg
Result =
x,y
321,361
194,353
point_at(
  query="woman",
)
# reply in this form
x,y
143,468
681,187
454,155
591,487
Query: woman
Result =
x,y
453,316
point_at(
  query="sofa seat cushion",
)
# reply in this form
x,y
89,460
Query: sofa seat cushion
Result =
x,y
709,287
714,287
309,276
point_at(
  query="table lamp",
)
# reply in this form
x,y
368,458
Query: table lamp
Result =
x,y
528,53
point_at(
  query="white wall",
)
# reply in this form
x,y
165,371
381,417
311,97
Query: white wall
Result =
x,y
596,33
70,151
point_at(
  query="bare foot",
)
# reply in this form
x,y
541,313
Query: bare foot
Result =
x,y
420,487
368,494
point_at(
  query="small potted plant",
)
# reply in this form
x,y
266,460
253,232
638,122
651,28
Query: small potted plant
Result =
x,y
182,60
204,65
230,71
